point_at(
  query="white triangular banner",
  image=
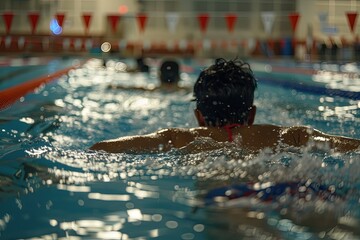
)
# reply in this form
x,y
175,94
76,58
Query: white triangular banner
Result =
x,y
323,18
88,44
268,21
66,44
251,44
8,41
206,44
183,44
78,44
146,45
172,19
122,44
21,42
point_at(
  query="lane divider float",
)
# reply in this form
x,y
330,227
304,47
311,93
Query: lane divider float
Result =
x,y
10,95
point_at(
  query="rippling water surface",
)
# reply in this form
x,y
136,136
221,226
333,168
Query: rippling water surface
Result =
x,y
52,187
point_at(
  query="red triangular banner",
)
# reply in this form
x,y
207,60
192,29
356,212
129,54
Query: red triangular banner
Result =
x,y
230,21
351,19
86,18
8,17
114,19
34,18
142,18
203,21
294,17
60,18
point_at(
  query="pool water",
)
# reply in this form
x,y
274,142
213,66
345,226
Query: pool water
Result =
x,y
53,187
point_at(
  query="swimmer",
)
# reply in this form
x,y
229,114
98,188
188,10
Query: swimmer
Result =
x,y
141,66
225,112
169,76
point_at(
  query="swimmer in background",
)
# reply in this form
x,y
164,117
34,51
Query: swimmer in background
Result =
x,y
169,76
141,66
225,111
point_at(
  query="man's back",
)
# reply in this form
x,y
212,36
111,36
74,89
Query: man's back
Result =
x,y
252,138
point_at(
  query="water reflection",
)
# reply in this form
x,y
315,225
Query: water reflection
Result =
x,y
81,194
108,197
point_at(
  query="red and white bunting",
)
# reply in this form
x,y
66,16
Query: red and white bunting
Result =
x,y
203,19
114,20
78,44
146,45
8,40
34,19
352,16
89,43
251,44
268,19
183,44
122,44
21,42
230,21
294,18
87,19
142,19
8,17
66,44
206,44
60,18
172,20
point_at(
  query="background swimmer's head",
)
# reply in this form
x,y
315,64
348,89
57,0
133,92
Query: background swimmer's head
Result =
x,y
141,65
224,93
169,72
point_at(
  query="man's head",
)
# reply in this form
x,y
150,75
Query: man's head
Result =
x,y
169,72
224,94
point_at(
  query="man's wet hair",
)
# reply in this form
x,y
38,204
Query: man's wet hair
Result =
x,y
224,92
169,71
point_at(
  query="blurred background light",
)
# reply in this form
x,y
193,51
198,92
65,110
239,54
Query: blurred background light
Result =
x,y
55,27
123,9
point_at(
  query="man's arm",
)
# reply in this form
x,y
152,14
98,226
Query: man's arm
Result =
x,y
338,143
301,136
154,142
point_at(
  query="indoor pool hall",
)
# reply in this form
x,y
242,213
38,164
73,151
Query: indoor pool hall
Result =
x,y
179,119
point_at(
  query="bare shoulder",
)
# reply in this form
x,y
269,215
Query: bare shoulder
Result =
x,y
175,137
298,135
301,135
265,127
300,128
303,131
176,131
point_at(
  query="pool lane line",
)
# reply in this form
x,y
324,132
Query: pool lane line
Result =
x,y
296,70
318,90
12,94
